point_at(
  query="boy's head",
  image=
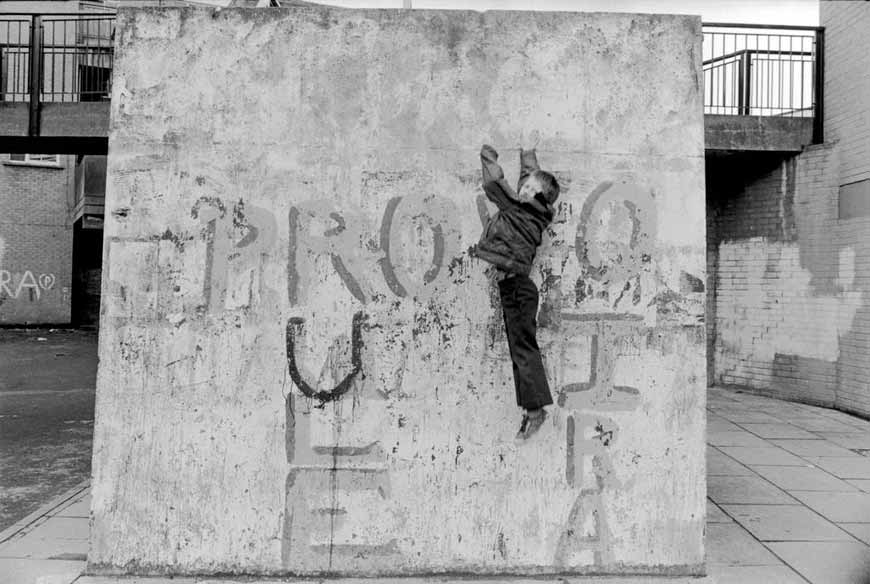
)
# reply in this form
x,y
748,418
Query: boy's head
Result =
x,y
541,185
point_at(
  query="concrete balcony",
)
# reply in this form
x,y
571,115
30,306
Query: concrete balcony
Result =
x,y
757,133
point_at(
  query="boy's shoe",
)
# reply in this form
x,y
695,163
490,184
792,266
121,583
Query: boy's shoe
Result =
x,y
532,422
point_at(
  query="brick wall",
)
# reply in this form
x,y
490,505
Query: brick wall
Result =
x,y
847,85
789,283
853,367
847,124
35,242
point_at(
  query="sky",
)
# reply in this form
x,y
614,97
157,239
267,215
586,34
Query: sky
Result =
x,y
788,12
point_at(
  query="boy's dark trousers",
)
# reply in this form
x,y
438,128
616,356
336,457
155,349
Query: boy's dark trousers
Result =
x,y
519,301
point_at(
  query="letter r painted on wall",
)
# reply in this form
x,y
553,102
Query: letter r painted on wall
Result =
x,y
316,228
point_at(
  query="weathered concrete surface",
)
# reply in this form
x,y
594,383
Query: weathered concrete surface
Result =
x,y
74,119
757,133
303,371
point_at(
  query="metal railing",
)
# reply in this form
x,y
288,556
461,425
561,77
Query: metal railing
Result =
x,y
749,70
56,57
764,70
15,56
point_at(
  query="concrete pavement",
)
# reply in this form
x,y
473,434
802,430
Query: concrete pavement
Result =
x,y
788,503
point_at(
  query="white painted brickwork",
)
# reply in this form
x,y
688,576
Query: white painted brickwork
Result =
x,y
767,306
792,286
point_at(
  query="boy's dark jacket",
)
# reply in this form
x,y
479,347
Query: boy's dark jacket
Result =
x,y
511,236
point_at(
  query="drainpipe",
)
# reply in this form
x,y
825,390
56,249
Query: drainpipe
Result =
x,y
35,73
819,113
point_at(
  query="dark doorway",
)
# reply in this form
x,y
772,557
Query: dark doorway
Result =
x,y
87,274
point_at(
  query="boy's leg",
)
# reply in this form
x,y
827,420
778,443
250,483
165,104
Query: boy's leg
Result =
x,y
510,341
520,304
507,294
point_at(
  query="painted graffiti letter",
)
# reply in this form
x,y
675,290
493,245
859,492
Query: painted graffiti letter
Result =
x,y
415,211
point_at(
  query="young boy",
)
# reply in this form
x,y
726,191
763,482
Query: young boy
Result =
x,y
509,242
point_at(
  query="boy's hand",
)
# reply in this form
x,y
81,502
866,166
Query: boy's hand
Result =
x,y
531,141
489,152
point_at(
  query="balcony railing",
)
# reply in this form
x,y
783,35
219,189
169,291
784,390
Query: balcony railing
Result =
x,y
56,57
764,70
749,70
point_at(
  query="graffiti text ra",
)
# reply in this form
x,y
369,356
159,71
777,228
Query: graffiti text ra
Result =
x,y
13,285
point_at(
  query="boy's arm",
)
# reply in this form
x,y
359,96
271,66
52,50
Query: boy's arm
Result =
x,y
528,158
494,185
528,163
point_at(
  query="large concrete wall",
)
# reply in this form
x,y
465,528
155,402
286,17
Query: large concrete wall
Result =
x,y
302,370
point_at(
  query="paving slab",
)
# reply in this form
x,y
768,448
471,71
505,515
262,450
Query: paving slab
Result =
x,y
746,489
851,440
781,430
62,528
820,423
719,400
754,575
732,545
785,523
715,404
21,571
716,515
741,438
750,416
45,548
82,507
861,424
853,467
727,411
818,447
837,507
783,408
858,530
827,562
719,463
721,425
846,418
767,455
803,478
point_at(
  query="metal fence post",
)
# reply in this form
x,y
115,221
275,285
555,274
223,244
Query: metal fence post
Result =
x,y
35,73
746,82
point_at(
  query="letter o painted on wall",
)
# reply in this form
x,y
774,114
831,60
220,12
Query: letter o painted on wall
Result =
x,y
432,212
